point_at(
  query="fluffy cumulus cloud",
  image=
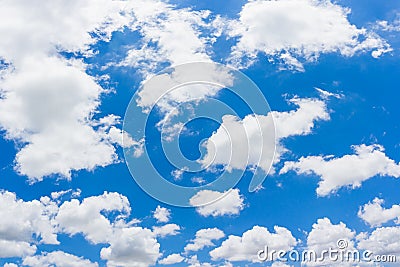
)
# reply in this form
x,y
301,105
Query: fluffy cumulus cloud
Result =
x,y
157,90
238,144
21,220
126,245
291,29
375,214
324,236
382,241
227,203
161,214
171,259
193,261
87,217
166,230
57,258
131,246
349,170
204,238
11,248
102,220
51,118
157,21
245,247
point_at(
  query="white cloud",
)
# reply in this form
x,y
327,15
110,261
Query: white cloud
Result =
x,y
131,247
324,236
87,218
169,89
165,230
302,120
245,247
171,259
238,144
57,258
127,245
298,29
290,62
10,248
198,180
382,241
102,219
56,195
230,203
194,262
52,117
157,89
123,139
204,238
375,215
176,35
177,174
326,95
10,265
72,193
161,214
23,222
348,170
62,25
241,143
385,25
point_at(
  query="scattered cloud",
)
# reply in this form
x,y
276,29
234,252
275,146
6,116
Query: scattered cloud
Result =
x,y
194,262
51,119
57,258
100,219
293,30
325,94
238,144
166,230
87,217
171,259
382,241
25,222
198,180
70,193
161,214
204,238
131,246
11,248
245,247
161,43
348,170
375,215
325,235
230,203
387,26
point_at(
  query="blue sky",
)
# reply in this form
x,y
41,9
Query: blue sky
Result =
x,y
69,69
